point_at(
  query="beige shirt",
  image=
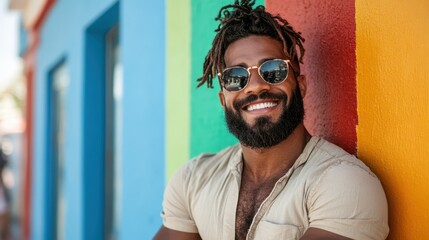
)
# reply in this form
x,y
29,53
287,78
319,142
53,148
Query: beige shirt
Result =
x,y
326,188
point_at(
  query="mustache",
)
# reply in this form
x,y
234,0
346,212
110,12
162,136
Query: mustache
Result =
x,y
238,104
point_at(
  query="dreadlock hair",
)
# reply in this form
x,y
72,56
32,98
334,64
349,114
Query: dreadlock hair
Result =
x,y
242,21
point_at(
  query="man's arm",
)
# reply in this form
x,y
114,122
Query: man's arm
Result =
x,y
170,234
316,234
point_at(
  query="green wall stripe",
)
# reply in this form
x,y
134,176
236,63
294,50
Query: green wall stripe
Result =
x,y
208,129
177,84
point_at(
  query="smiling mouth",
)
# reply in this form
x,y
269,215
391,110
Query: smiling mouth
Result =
x,y
262,105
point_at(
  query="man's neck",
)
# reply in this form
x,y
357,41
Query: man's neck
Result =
x,y
266,163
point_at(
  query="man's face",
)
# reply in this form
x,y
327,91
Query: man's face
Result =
x,y
261,115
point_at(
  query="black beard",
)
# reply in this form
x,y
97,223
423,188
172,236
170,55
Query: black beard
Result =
x,y
265,133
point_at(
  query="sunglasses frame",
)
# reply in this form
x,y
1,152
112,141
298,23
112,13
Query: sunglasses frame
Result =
x,y
288,64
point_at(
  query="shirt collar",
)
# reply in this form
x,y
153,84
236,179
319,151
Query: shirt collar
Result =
x,y
236,162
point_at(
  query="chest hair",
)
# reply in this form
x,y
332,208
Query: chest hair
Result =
x,y
250,198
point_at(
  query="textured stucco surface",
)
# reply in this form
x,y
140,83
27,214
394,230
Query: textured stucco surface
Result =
x,y
329,65
393,107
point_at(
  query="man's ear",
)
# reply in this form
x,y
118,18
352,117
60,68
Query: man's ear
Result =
x,y
302,82
222,99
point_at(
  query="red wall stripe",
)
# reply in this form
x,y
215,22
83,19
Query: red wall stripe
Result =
x,y
329,28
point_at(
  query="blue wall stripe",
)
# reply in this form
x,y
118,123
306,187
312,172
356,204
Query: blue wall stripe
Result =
x,y
143,54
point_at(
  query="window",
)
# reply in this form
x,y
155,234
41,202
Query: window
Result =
x,y
59,85
113,125
102,121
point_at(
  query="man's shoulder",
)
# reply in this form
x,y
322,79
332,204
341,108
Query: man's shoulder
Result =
x,y
331,150
207,164
339,180
223,155
327,156
326,151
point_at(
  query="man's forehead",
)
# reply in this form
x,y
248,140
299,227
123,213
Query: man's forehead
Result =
x,y
253,50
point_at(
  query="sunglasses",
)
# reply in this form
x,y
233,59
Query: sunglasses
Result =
x,y
273,71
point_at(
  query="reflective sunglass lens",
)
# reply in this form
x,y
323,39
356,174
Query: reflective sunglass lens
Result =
x,y
274,71
234,79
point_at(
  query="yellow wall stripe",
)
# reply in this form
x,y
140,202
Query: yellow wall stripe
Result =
x,y
393,107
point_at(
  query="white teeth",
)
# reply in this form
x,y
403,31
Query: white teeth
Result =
x,y
261,106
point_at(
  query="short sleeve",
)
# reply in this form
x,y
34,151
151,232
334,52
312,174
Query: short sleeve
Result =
x,y
349,200
176,214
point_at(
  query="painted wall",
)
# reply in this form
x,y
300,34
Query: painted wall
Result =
x,y
56,46
393,107
68,35
143,149
178,83
329,65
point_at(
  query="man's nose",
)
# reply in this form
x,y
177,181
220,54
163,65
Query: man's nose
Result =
x,y
256,84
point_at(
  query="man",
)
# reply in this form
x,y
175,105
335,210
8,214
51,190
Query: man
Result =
x,y
279,182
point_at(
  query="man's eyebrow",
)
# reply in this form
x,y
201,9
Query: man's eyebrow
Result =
x,y
237,65
265,59
242,64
